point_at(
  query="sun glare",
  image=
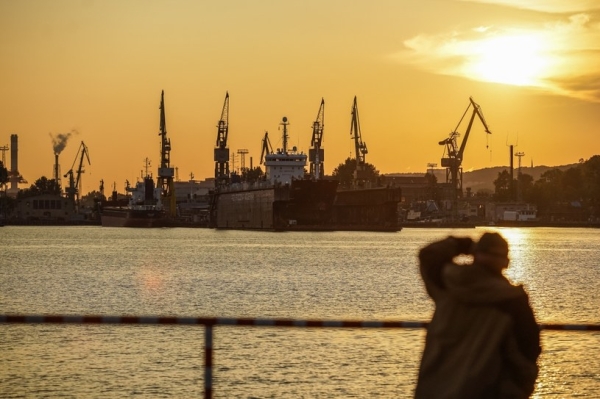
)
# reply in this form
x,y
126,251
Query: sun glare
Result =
x,y
514,60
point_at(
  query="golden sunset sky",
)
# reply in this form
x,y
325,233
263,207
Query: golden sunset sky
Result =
x,y
96,69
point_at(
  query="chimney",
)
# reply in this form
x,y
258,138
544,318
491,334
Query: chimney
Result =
x,y
56,172
14,163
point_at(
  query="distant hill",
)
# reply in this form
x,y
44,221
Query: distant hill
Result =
x,y
480,179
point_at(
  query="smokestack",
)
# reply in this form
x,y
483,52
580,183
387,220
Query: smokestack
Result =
x,y
14,163
59,142
56,170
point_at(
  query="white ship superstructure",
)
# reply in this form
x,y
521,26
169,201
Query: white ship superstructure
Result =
x,y
283,166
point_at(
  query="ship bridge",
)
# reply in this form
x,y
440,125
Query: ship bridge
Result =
x,y
282,167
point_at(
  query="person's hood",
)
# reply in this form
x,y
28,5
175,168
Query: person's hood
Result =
x,y
476,285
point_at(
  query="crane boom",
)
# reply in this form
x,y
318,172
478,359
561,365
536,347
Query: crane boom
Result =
x,y
359,146
316,154
476,111
80,171
266,147
221,152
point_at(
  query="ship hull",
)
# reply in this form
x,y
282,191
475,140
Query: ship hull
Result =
x,y
303,205
125,217
307,205
369,209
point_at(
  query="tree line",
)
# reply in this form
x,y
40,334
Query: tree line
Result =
x,y
574,192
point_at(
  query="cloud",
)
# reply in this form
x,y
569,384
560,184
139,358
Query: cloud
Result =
x,y
550,6
560,55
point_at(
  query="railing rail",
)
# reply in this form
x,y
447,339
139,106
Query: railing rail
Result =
x,y
210,322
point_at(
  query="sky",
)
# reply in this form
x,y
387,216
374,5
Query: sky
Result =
x,y
93,71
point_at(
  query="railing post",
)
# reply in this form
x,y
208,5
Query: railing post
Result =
x,y
208,356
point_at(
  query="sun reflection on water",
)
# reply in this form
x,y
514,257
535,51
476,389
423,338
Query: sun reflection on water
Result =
x,y
518,242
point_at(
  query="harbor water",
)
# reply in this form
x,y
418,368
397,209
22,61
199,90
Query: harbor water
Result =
x,y
299,275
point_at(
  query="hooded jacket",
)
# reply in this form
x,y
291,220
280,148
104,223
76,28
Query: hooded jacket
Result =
x,y
483,340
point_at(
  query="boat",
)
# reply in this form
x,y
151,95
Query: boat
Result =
x,y
144,208
150,204
286,200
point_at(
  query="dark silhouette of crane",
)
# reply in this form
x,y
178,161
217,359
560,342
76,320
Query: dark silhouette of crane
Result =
x,y
221,151
454,154
74,189
316,154
266,147
360,173
165,171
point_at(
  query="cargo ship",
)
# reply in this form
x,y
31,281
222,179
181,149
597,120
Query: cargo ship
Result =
x,y
150,204
285,200
144,208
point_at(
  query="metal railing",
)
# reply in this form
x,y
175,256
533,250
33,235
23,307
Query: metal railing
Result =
x,y
210,322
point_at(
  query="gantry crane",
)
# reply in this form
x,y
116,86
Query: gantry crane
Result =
x,y
74,189
453,161
266,148
360,175
316,154
221,150
165,171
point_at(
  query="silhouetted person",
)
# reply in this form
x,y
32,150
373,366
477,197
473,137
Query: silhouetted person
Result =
x,y
483,340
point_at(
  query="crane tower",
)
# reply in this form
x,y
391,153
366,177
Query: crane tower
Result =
x,y
242,153
4,149
222,151
74,189
360,173
165,171
316,154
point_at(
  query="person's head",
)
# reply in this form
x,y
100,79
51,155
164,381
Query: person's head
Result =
x,y
491,251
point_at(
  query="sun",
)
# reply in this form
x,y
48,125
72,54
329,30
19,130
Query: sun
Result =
x,y
518,60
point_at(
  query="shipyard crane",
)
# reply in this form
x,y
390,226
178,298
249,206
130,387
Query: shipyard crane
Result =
x,y
316,154
74,189
454,154
221,150
266,147
165,171
360,174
